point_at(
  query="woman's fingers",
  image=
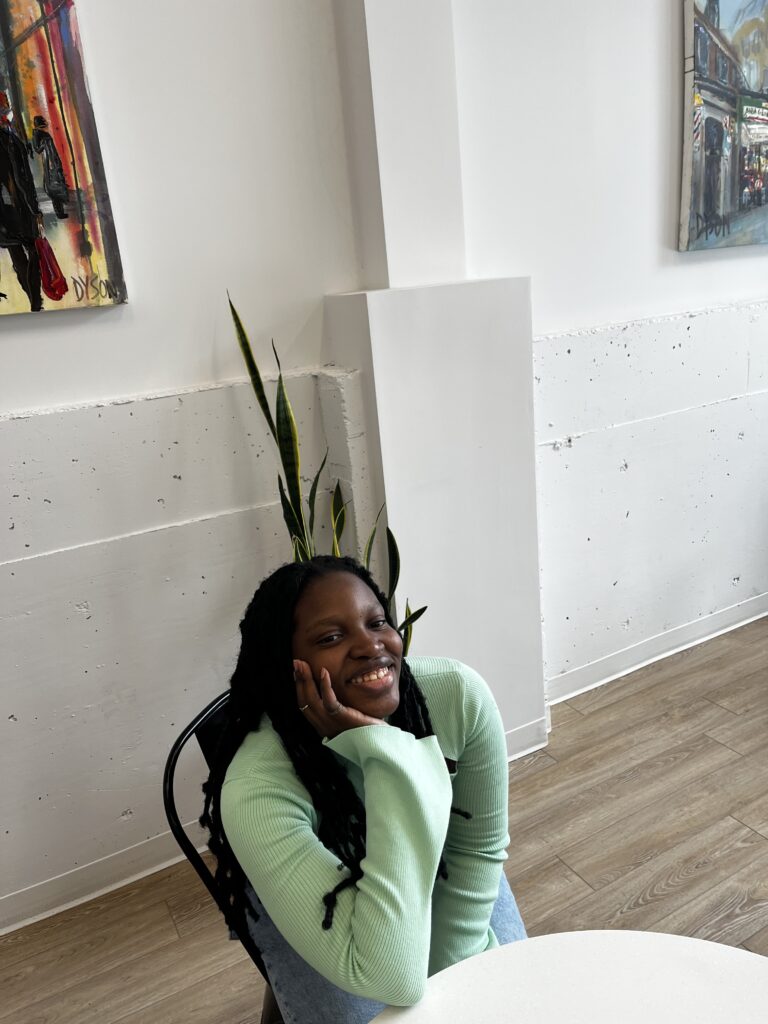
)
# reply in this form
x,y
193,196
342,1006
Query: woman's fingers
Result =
x,y
306,689
331,702
320,705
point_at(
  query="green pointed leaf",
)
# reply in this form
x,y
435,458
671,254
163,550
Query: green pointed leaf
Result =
x,y
289,514
313,495
277,357
288,447
394,565
410,617
253,370
338,517
300,553
338,511
369,542
406,629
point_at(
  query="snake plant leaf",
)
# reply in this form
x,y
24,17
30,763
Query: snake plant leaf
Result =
x,y
277,357
338,517
289,513
338,510
394,566
253,370
410,617
313,495
406,630
406,626
369,542
288,447
300,553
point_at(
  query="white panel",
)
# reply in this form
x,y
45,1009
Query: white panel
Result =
x,y
360,135
109,650
651,526
454,394
413,83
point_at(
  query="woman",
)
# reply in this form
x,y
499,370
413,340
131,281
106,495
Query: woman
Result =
x,y
363,798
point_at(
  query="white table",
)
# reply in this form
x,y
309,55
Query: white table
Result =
x,y
597,977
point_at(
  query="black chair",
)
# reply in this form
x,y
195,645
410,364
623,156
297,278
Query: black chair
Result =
x,y
206,727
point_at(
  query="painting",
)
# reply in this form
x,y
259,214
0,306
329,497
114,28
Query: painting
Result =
x,y
58,247
725,127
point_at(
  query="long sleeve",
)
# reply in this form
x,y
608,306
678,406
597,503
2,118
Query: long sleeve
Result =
x,y
467,720
378,945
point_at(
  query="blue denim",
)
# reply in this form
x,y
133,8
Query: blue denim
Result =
x,y
306,997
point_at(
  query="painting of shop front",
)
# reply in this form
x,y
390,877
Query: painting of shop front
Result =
x,y
58,248
725,144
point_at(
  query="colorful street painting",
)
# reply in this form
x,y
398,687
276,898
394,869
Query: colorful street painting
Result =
x,y
725,145
58,247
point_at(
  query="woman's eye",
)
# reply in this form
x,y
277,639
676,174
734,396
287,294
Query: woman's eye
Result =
x,y
329,639
379,623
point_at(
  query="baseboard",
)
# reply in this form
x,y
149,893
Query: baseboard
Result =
x,y
620,663
91,880
526,738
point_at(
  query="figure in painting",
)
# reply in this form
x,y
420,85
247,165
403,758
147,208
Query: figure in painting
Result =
x,y
54,182
20,217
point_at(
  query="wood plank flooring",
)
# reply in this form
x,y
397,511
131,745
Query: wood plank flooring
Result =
x,y
648,810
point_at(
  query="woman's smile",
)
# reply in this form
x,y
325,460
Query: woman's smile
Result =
x,y
375,680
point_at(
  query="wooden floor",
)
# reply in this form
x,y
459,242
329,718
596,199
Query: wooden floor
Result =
x,y
648,810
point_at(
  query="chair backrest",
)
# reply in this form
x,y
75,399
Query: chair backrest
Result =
x,y
206,727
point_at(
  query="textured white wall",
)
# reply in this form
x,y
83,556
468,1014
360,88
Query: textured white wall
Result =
x,y
135,534
653,487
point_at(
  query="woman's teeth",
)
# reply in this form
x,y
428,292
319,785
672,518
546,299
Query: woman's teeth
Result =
x,y
371,677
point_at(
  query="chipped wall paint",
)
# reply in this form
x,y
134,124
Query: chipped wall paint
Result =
x,y
119,613
652,472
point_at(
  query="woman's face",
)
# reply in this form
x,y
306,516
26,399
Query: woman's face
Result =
x,y
339,625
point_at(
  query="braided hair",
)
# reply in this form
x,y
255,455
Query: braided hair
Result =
x,y
263,683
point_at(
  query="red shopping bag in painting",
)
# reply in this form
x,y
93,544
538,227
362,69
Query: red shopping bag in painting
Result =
x,y
51,278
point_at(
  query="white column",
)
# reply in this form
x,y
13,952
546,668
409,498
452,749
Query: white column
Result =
x,y
398,81
445,364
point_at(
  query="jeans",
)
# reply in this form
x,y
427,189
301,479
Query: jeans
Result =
x,y
306,997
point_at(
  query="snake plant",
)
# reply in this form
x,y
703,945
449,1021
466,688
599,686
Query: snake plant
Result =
x,y
300,521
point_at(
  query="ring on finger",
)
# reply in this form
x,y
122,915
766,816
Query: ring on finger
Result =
x,y
304,708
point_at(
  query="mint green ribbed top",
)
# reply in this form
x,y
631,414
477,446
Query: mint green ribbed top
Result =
x,y
399,924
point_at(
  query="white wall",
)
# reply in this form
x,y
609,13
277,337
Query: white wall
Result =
x,y
223,146
649,425
571,142
133,532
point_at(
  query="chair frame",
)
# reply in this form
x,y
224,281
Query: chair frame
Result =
x,y
201,723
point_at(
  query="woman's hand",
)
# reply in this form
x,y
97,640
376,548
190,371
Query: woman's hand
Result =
x,y
320,705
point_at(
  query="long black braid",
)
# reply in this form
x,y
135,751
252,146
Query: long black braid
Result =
x,y
263,683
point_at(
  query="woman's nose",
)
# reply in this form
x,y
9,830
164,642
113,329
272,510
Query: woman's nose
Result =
x,y
366,645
